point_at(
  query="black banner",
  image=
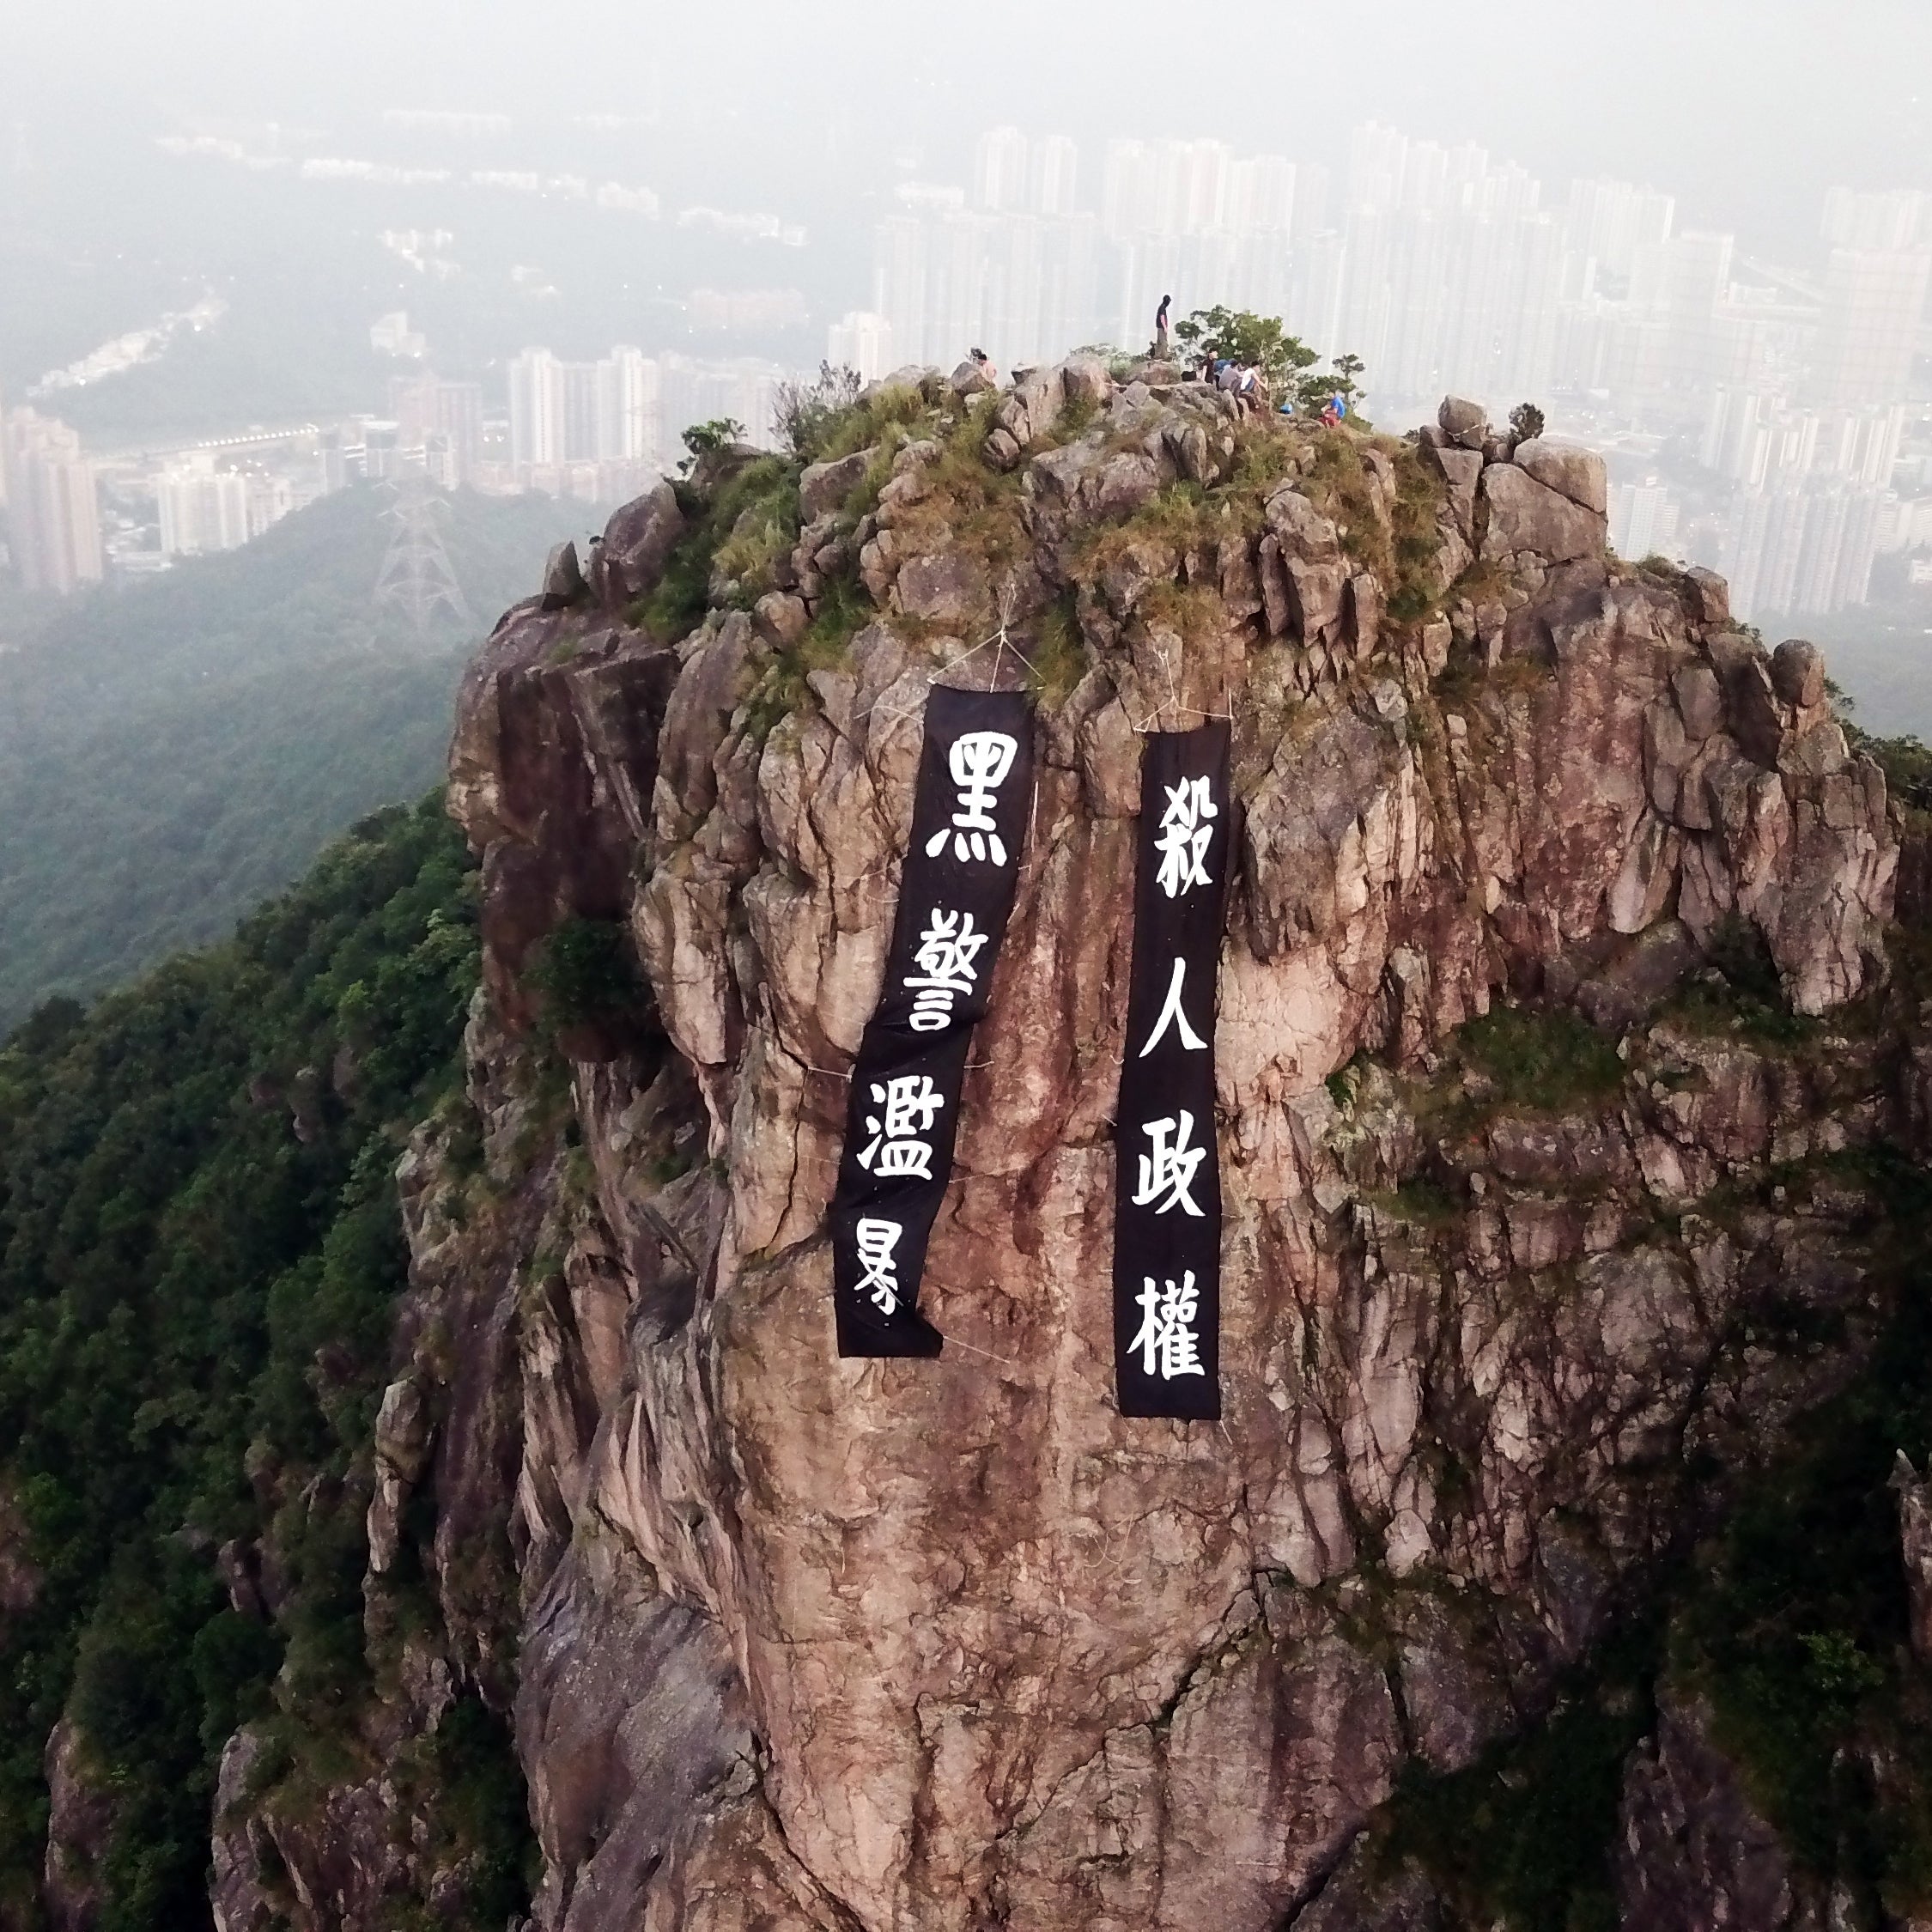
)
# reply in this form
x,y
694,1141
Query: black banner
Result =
x,y
970,807
1167,1218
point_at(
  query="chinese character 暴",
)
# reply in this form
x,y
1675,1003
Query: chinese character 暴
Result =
x,y
948,949
1168,1168
1184,833
1166,1344
907,1103
880,1278
1173,1013
979,761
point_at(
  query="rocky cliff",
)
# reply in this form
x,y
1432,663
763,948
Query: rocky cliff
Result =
x,y
1569,1064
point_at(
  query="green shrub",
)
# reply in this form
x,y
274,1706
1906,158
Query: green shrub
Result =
x,y
1541,1060
585,971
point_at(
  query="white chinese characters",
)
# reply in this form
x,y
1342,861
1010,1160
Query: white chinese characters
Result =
x,y
907,1105
1175,1015
1168,1168
1166,1344
979,762
1186,827
878,1278
947,959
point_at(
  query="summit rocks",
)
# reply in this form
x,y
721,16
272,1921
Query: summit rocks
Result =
x,y
813,1645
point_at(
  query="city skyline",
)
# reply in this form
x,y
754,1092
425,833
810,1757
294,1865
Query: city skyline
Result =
x,y
1761,416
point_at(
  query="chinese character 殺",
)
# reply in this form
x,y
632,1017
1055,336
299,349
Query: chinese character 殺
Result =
x,y
978,761
948,950
1168,1168
907,1105
1166,1344
1186,827
880,1278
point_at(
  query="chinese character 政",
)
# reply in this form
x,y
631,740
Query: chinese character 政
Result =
x,y
1174,1014
880,1279
978,761
1166,1344
1168,1168
909,1103
948,950
1184,833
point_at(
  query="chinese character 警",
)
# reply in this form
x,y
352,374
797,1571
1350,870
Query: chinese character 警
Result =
x,y
1184,833
880,1278
1166,1344
979,761
907,1103
948,950
1168,1168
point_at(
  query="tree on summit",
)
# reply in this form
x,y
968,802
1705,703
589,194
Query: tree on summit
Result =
x,y
1526,422
1242,336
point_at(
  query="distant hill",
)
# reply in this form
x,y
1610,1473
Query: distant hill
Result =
x,y
173,752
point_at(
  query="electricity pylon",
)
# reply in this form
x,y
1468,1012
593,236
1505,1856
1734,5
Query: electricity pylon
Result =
x,y
415,580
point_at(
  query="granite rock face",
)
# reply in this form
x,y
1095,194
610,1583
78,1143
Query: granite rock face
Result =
x,y
939,1646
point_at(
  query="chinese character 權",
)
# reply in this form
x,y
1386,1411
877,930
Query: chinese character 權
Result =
x,y
978,761
907,1105
1168,1168
880,1278
948,950
1166,1344
1184,833
1174,1014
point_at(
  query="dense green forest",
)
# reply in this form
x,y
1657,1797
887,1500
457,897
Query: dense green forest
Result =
x,y
173,751
200,1251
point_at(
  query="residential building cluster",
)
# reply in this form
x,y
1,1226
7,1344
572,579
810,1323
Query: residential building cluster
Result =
x,y
48,489
1759,412
598,429
601,431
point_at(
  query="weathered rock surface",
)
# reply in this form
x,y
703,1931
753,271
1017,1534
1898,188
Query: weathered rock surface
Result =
x,y
883,1646
1693,1853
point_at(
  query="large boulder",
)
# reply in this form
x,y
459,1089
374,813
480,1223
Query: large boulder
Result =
x,y
1575,473
1529,519
1463,424
825,486
637,543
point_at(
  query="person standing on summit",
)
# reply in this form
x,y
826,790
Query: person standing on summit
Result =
x,y
1160,329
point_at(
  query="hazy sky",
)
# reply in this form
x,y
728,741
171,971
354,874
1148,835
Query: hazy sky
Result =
x,y
1749,109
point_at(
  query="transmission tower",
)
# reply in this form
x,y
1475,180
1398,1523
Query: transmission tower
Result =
x,y
415,580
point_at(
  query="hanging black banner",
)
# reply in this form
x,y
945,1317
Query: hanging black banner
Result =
x,y
970,807
1167,1218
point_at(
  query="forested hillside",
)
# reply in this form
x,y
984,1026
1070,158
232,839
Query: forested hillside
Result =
x,y
172,752
200,1249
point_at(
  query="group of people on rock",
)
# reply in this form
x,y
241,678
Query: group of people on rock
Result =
x,y
1240,381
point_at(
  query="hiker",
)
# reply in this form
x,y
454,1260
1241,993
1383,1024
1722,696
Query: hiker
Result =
x,y
978,358
1160,330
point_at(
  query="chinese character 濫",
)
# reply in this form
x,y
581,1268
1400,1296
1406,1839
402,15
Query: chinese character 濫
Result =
x,y
907,1105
